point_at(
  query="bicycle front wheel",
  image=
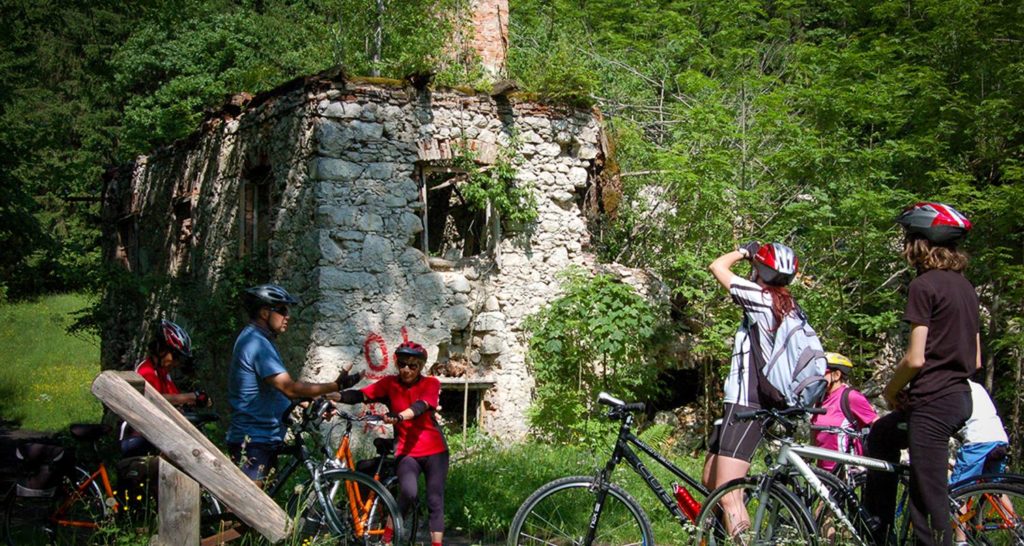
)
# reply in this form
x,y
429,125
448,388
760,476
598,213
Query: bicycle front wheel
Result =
x,y
989,514
560,513
743,512
359,510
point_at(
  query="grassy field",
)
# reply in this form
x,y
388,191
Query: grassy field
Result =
x,y
46,373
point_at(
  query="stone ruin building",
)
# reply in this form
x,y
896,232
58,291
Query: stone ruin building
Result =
x,y
346,190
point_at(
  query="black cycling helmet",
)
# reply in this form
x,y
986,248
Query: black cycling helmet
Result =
x,y
940,224
271,294
776,264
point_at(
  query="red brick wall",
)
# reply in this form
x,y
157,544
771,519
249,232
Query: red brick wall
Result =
x,y
490,33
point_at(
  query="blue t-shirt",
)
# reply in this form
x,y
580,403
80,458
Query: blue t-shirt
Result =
x,y
256,406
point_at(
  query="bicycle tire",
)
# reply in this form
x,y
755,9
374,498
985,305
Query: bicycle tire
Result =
x,y
990,514
559,512
785,520
27,520
379,519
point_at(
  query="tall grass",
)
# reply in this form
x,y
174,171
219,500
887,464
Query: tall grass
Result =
x,y
485,489
45,373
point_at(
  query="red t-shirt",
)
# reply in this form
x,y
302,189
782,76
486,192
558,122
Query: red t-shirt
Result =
x,y
161,382
419,436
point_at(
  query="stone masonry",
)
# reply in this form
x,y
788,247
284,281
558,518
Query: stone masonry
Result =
x,y
342,165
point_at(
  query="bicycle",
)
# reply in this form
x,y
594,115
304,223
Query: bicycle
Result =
x,y
67,512
774,514
556,514
352,507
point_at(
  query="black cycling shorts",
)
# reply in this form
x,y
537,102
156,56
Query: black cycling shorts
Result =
x,y
735,439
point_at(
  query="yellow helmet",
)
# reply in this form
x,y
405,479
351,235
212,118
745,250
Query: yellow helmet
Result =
x,y
839,362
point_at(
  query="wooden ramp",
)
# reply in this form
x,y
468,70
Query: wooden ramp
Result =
x,y
192,458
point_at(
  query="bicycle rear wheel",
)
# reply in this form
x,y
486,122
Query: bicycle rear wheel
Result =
x,y
989,514
774,517
560,513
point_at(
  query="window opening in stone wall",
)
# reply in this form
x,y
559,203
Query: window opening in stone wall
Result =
x,y
454,399
452,229
256,211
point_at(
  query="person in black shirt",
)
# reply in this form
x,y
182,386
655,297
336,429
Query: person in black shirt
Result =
x,y
928,393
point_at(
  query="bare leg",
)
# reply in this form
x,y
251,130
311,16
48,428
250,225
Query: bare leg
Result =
x,y
726,469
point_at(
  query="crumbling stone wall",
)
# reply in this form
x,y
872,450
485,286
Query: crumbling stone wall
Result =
x,y
348,161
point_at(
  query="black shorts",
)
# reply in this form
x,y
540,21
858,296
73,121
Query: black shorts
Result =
x,y
256,459
735,439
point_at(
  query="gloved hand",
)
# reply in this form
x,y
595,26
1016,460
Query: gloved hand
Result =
x,y
392,418
346,380
749,249
203,400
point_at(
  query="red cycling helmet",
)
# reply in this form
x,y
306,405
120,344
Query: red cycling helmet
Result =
x,y
411,348
174,337
940,224
776,264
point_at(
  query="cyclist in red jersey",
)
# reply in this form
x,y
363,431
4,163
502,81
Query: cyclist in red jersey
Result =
x,y
420,447
169,348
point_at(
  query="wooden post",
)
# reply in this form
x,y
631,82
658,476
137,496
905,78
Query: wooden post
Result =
x,y
179,508
192,453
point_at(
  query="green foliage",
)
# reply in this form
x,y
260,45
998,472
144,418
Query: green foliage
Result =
x,y
808,124
497,185
45,379
599,336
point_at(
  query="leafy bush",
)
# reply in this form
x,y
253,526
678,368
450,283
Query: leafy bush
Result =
x,y
599,336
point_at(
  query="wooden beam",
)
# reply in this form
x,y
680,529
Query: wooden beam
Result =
x,y
179,508
181,445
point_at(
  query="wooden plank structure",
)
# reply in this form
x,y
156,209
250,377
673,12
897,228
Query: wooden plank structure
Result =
x,y
188,457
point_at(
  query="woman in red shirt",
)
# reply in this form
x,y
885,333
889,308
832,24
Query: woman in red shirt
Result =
x,y
420,447
169,348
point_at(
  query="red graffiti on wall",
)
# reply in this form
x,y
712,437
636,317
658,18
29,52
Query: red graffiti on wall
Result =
x,y
378,369
375,370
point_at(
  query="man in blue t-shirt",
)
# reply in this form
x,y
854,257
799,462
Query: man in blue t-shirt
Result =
x,y
260,387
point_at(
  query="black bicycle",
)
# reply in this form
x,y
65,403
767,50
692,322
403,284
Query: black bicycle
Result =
x,y
592,510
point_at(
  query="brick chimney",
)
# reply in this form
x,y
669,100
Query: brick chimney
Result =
x,y
490,34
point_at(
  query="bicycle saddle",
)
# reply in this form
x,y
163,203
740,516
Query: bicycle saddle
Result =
x,y
89,433
384,445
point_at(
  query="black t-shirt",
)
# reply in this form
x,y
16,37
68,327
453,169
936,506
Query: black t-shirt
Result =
x,y
947,304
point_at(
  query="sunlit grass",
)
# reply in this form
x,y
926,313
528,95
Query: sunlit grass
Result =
x,y
45,372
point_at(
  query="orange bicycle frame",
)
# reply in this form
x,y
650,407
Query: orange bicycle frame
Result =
x,y
359,507
77,495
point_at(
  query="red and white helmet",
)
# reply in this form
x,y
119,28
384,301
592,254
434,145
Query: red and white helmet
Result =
x,y
175,337
940,224
411,348
776,264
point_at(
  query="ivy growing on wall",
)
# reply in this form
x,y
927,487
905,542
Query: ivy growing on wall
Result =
x,y
496,184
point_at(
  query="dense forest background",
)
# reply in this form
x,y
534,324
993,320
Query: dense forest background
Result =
x,y
812,123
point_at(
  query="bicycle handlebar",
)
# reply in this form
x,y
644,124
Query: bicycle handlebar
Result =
x,y
618,405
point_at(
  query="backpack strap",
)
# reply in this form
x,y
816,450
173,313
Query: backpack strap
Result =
x,y
844,404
